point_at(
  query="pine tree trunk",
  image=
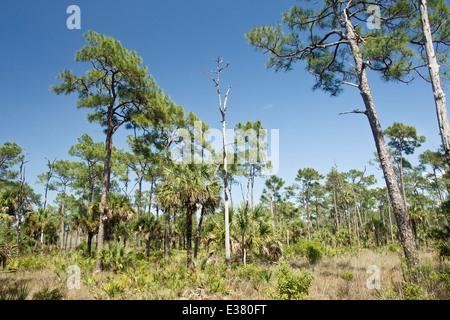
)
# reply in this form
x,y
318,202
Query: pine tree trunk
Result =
x,y
244,245
336,213
105,187
402,183
76,238
197,233
308,215
361,226
167,234
62,219
252,185
174,239
355,224
189,212
348,224
401,215
390,217
42,240
433,67
147,247
66,239
89,244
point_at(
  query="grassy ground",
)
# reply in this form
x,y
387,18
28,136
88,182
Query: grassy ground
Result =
x,y
340,276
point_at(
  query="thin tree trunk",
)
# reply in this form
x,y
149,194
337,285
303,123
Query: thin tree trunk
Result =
x,y
223,111
355,223
174,240
348,225
252,184
105,188
76,238
375,233
336,213
138,205
390,217
66,239
167,234
62,218
271,209
19,208
244,245
308,214
441,198
384,224
150,200
42,240
147,247
70,241
189,212
89,243
359,216
199,228
225,187
433,67
317,215
402,183
400,212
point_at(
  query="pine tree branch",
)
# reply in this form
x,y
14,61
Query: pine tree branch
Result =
x,y
354,111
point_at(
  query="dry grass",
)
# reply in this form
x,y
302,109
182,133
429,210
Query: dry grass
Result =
x,y
342,277
329,283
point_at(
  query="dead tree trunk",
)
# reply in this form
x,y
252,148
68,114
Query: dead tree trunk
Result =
x,y
433,67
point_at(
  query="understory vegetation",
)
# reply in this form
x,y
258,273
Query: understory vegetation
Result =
x,y
339,274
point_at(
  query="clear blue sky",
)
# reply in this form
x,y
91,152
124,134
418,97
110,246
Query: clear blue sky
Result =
x,y
177,39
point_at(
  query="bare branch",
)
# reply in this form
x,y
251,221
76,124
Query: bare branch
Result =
x,y
350,84
354,111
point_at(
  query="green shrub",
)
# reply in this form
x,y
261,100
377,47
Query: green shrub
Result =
x,y
216,284
413,291
392,247
32,263
314,251
386,294
293,286
348,276
46,294
113,288
265,275
116,257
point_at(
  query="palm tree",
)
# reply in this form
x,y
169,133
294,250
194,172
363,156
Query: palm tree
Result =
x,y
271,193
7,246
122,231
42,217
150,227
210,200
166,197
119,209
87,220
188,186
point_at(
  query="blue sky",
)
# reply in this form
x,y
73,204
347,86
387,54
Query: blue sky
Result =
x,y
177,40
